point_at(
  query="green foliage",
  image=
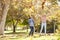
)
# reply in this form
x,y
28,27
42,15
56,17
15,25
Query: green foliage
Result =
x,y
25,22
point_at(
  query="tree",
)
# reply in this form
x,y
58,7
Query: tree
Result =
x,y
14,16
5,7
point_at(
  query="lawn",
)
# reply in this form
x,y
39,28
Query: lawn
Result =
x,y
22,35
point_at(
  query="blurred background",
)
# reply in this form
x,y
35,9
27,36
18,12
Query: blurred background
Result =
x,y
14,15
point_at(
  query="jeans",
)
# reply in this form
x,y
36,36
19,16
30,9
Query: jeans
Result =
x,y
31,30
43,25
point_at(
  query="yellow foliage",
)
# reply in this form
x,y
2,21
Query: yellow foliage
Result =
x,y
28,0
32,7
25,9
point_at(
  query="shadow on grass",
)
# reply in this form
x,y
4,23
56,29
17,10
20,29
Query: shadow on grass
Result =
x,y
17,33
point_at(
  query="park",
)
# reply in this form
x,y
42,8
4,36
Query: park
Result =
x,y
14,16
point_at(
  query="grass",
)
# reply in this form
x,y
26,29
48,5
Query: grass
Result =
x,y
22,35
31,38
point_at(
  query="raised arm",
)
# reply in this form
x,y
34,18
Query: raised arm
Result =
x,y
43,4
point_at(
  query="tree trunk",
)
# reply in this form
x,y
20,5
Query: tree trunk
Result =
x,y
14,27
3,19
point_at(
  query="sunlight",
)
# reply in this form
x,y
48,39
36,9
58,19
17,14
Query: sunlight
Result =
x,y
58,3
36,4
47,3
24,19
